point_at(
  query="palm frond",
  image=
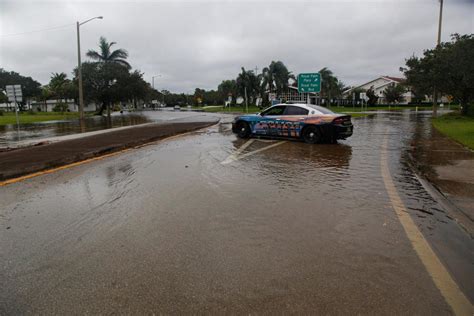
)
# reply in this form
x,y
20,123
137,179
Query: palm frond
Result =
x,y
94,55
118,54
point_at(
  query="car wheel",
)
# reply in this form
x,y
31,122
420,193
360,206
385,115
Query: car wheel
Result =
x,y
243,130
311,135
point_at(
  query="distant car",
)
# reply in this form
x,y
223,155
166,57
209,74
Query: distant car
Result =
x,y
177,108
310,123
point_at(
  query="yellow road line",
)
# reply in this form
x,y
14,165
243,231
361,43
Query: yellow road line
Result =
x,y
78,163
438,272
39,173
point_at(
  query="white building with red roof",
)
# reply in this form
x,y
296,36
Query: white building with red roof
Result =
x,y
379,85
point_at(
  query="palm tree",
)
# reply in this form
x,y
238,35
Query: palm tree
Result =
x,y
247,79
275,77
330,86
59,85
105,55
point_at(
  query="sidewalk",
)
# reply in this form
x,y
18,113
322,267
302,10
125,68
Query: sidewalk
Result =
x,y
31,159
449,168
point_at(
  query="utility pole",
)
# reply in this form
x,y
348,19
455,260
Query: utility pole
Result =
x,y
256,70
435,92
246,102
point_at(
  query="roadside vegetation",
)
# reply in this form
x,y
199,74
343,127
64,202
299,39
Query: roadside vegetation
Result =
x,y
457,126
7,118
387,108
449,67
110,82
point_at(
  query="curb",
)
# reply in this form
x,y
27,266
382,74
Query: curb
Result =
x,y
456,213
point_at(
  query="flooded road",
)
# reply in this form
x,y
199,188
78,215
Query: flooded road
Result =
x,y
209,223
10,137
51,130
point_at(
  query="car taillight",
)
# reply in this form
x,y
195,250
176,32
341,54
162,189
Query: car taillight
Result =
x,y
345,120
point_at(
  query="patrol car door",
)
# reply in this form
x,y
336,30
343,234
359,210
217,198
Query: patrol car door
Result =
x,y
293,120
270,121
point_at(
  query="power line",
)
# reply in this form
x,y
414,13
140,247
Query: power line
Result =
x,y
42,30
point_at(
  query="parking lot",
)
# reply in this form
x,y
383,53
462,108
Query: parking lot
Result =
x,y
206,222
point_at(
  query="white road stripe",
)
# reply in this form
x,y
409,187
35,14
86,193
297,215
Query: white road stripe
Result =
x,y
238,153
233,157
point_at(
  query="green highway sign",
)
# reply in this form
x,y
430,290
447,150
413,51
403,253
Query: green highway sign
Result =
x,y
309,82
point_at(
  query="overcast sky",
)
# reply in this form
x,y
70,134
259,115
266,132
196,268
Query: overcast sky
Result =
x,y
199,43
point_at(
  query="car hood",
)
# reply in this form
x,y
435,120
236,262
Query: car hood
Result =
x,y
247,117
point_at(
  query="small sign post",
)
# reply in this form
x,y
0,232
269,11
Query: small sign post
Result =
x,y
14,94
309,82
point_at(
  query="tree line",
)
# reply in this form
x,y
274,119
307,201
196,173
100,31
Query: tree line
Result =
x,y
273,79
108,79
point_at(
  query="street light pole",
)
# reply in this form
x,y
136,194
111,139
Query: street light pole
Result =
x,y
153,81
79,71
79,67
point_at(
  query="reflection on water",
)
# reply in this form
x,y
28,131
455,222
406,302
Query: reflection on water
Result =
x,y
9,135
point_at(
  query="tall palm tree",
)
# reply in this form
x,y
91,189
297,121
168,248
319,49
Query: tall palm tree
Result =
x,y
275,77
248,80
106,55
329,84
58,85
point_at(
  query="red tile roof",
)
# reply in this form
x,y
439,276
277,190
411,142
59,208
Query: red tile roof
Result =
x,y
395,78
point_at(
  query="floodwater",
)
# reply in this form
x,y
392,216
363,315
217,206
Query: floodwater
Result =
x,y
43,131
9,135
179,227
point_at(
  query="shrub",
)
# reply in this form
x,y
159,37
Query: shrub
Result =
x,y
60,107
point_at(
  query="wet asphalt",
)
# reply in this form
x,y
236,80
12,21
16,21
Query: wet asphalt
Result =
x,y
170,228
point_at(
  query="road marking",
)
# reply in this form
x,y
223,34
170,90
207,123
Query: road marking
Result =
x,y
234,155
238,153
440,275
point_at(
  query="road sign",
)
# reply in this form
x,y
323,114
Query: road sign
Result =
x,y
14,93
310,82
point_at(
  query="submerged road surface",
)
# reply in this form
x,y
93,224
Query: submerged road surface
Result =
x,y
207,223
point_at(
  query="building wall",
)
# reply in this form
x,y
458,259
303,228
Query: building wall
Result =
x,y
379,85
49,105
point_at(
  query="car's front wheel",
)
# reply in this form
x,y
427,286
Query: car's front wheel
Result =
x,y
243,129
312,135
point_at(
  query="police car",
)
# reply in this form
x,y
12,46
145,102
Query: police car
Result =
x,y
310,123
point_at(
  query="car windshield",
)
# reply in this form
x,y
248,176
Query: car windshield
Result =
x,y
321,109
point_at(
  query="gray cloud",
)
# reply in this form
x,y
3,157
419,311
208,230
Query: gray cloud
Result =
x,y
198,44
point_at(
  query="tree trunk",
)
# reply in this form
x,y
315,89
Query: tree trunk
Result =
x,y
464,106
101,109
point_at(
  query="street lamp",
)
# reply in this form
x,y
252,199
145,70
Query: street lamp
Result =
x,y
79,66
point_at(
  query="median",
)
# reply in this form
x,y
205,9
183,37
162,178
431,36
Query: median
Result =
x,y
24,161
